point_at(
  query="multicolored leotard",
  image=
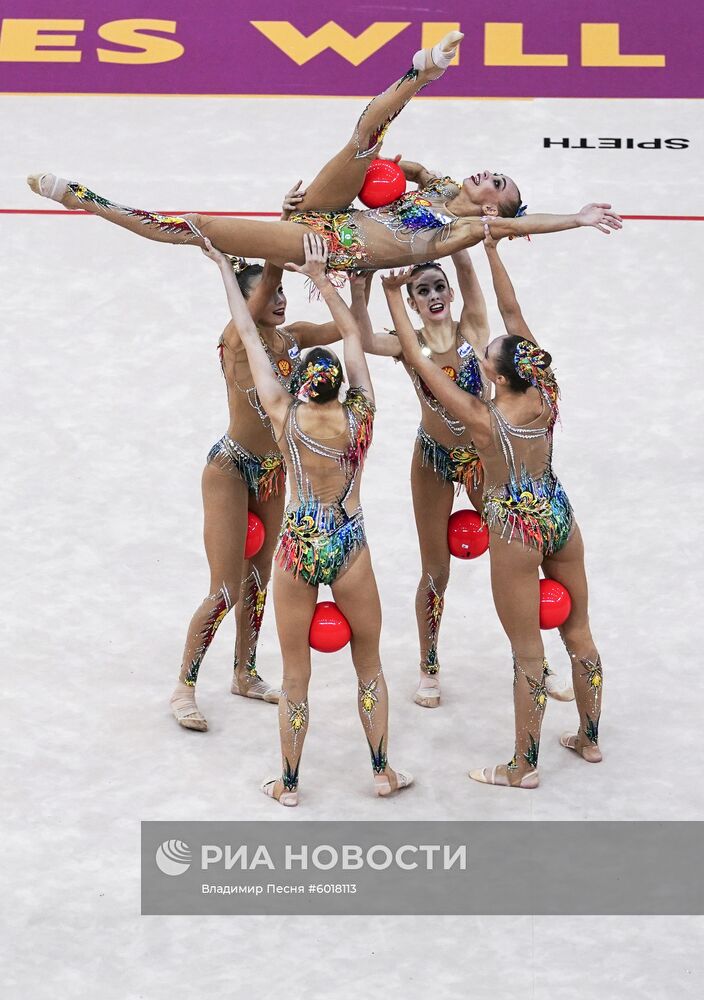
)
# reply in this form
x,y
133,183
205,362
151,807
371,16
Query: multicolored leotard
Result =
x,y
263,474
522,497
285,368
459,464
416,219
467,375
319,536
419,212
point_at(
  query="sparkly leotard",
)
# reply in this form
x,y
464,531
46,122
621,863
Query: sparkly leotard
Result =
x,y
320,536
418,222
264,474
457,464
522,496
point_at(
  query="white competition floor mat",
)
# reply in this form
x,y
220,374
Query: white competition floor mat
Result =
x,y
113,396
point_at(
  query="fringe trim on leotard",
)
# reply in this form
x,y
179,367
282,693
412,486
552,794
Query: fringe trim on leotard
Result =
x,y
363,410
317,542
264,475
535,510
461,465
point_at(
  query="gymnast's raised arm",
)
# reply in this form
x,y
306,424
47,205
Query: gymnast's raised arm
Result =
x,y
274,397
466,407
355,358
506,299
474,322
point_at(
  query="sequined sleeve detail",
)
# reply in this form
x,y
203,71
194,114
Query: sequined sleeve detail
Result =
x,y
363,409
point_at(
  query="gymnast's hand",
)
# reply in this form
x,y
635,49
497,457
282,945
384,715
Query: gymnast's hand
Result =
x,y
292,200
600,216
220,259
490,242
359,280
316,252
396,279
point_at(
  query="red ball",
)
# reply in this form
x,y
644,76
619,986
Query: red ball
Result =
x,y
255,535
384,182
555,604
467,535
329,629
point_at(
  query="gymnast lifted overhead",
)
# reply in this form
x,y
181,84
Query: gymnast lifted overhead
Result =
x,y
438,219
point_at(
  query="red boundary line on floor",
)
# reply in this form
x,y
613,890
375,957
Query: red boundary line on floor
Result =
x,y
275,215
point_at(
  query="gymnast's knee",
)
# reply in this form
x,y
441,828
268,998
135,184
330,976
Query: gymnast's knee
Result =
x,y
578,639
295,681
228,586
435,576
529,651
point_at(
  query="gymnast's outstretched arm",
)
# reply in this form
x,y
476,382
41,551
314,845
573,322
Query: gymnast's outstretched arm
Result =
x,y
416,173
599,215
360,290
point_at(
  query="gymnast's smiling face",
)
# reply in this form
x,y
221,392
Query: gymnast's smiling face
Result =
x,y
493,194
430,295
274,312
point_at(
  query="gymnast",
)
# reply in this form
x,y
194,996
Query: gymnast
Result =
x,y
445,460
322,541
530,520
438,219
245,471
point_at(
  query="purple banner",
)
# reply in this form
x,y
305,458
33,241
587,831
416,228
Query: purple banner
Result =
x,y
576,48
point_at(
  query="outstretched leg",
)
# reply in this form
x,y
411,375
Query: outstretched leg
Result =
x,y
250,610
567,567
278,242
225,525
340,180
356,595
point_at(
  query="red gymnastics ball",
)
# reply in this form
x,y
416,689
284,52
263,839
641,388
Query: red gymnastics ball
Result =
x,y
555,604
329,630
467,535
255,535
384,182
